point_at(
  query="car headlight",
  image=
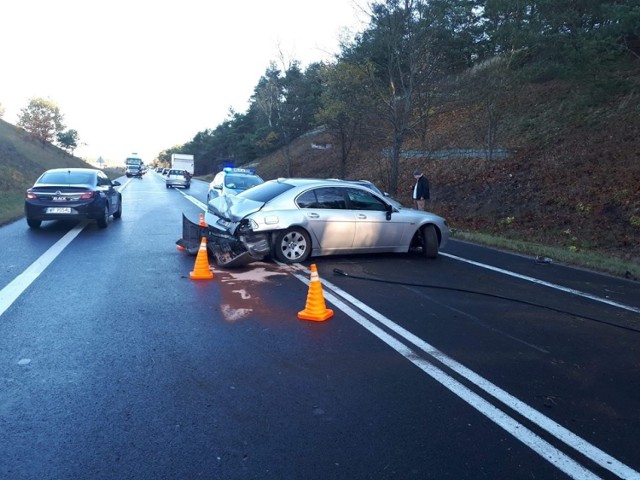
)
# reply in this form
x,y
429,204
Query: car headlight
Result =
x,y
247,225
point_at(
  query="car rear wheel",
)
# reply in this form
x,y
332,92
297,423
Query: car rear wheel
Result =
x,y
103,221
292,245
429,241
33,223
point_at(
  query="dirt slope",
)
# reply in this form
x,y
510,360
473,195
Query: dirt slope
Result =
x,y
572,178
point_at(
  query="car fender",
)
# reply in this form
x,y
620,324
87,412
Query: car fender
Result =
x,y
268,221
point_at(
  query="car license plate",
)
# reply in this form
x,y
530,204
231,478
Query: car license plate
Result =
x,y
58,210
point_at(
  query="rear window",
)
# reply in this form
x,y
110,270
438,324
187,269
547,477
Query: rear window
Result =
x,y
176,172
266,191
68,178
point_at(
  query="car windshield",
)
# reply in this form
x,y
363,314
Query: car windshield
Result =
x,y
241,182
176,172
67,178
265,191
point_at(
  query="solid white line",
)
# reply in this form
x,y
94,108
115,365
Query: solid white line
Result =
x,y
193,200
13,290
543,448
546,284
566,436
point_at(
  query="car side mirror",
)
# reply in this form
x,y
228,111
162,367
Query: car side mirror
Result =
x,y
389,211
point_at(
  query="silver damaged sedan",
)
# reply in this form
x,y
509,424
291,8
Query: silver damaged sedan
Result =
x,y
294,219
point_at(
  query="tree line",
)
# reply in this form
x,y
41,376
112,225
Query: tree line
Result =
x,y
412,56
387,79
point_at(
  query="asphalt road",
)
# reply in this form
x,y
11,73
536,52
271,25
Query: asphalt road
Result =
x,y
114,364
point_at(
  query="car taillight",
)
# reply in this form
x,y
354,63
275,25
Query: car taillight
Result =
x,y
86,195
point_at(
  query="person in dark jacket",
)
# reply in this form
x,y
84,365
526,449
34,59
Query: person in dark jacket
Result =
x,y
420,190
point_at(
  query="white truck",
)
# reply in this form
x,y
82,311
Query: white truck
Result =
x,y
182,161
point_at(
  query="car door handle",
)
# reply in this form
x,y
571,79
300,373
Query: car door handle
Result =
x,y
313,215
361,216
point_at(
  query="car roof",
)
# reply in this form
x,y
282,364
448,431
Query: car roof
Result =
x,y
303,182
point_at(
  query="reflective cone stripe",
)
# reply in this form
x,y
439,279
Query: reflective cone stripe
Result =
x,y
315,308
201,270
202,222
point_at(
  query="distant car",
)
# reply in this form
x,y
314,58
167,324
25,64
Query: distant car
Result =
x,y
294,219
231,181
178,178
133,171
72,193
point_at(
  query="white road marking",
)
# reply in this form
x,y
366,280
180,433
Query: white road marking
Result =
x,y
522,433
193,200
13,290
546,284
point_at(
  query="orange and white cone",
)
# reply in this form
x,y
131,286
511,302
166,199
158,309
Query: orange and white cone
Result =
x,y
315,308
202,221
201,269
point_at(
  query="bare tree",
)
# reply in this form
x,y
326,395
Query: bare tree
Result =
x,y
402,66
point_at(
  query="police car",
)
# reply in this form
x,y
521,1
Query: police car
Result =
x,y
231,181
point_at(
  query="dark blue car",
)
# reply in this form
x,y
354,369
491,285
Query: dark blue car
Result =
x,y
73,194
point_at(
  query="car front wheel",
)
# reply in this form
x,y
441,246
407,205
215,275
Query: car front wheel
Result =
x,y
292,245
118,213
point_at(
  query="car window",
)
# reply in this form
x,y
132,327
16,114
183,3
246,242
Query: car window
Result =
x,y
324,197
235,181
68,178
265,191
103,179
362,200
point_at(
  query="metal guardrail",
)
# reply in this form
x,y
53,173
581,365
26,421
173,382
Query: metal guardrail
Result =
x,y
454,153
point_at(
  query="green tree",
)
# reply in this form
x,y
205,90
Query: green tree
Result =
x,y
345,106
41,119
68,140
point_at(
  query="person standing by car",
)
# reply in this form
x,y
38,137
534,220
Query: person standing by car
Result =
x,y
420,190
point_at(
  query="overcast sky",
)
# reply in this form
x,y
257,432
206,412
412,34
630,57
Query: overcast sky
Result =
x,y
143,76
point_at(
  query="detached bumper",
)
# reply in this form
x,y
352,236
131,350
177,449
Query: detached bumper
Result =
x,y
228,251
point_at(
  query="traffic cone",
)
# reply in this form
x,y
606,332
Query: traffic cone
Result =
x,y
201,270
315,308
202,222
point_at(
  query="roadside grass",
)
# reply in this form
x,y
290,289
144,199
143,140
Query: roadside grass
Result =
x,y
583,259
11,207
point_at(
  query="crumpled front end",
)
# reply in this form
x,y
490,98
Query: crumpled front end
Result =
x,y
229,251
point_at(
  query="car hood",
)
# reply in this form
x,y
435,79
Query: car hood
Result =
x,y
232,207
